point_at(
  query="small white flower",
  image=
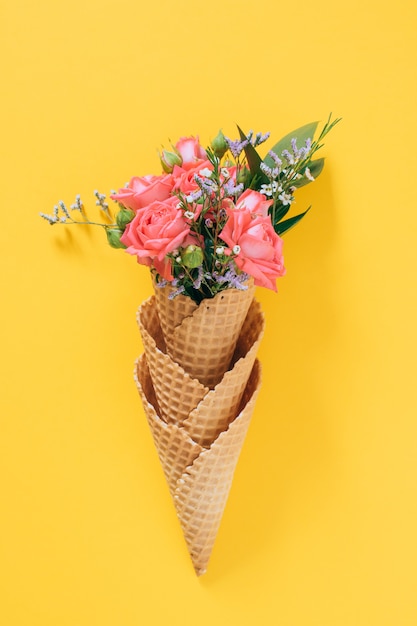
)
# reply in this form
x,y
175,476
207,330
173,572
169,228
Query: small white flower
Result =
x,y
205,172
269,190
266,190
220,250
225,172
308,174
178,259
236,249
190,198
285,198
189,215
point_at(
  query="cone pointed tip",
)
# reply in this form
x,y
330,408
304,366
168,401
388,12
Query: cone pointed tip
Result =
x,y
200,571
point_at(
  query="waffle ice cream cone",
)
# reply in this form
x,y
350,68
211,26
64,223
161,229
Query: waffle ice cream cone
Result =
x,y
202,338
199,421
199,478
219,406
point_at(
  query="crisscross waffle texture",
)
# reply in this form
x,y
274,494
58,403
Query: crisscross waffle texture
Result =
x,y
176,391
199,479
219,406
175,447
202,338
203,488
199,427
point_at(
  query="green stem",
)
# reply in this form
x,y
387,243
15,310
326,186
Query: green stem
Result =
x,y
88,223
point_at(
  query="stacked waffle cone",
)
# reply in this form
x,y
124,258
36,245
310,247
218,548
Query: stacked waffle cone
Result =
x,y
198,380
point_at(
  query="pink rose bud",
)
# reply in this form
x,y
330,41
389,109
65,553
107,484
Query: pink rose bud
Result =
x,y
169,160
219,145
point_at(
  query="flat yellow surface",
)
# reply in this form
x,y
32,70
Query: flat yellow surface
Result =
x,y
320,527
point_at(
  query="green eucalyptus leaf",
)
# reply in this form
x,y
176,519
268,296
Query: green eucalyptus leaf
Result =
x,y
282,227
316,168
301,134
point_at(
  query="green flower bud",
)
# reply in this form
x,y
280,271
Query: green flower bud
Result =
x,y
169,160
192,256
244,176
123,217
113,237
219,145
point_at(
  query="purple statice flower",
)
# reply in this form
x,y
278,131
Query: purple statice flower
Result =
x,y
275,158
162,283
205,184
236,280
237,146
270,172
288,157
300,153
194,196
231,189
176,293
260,138
197,282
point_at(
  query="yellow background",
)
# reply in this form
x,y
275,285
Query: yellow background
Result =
x,y
320,527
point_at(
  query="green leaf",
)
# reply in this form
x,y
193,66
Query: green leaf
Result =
x,y
301,134
253,159
282,227
280,212
316,168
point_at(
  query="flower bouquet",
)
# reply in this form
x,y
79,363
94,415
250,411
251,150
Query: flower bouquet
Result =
x,y
209,228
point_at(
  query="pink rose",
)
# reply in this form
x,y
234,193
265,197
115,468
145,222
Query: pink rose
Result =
x,y
143,191
257,247
190,150
184,176
254,201
156,230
